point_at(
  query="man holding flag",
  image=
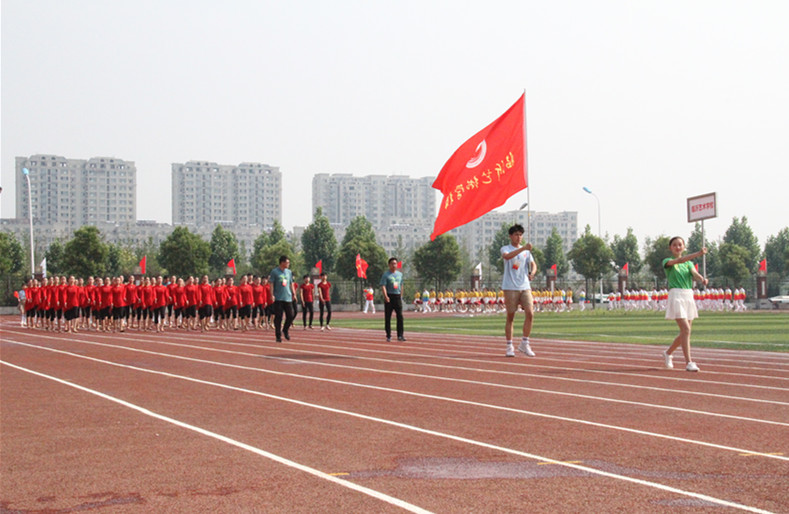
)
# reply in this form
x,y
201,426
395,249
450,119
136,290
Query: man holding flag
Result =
x,y
481,175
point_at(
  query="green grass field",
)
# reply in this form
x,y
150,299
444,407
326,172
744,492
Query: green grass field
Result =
x,y
753,330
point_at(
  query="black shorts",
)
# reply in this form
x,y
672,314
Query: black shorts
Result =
x,y
219,313
179,311
206,311
190,312
245,311
231,312
72,313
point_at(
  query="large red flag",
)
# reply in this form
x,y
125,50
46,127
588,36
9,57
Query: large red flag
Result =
x,y
763,266
484,172
626,269
232,265
319,265
142,264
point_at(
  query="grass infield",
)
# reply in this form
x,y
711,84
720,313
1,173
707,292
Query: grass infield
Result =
x,y
752,330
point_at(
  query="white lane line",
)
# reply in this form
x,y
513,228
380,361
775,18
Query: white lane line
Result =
x,y
532,364
276,458
443,435
440,378
322,348
414,394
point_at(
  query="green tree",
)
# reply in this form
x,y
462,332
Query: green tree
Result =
x,y
184,253
554,254
626,251
150,251
590,256
501,238
439,261
268,257
85,254
740,233
734,263
11,254
121,260
776,251
277,233
54,257
224,246
260,244
655,251
318,243
367,249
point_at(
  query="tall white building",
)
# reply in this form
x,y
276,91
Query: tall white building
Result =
x,y
76,192
379,198
207,193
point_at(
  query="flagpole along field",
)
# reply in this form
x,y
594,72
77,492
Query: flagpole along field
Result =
x,y
338,421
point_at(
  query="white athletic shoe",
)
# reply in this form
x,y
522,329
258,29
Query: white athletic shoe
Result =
x,y
691,367
510,351
525,348
669,359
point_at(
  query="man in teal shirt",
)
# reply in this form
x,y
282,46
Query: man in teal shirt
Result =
x,y
283,290
392,285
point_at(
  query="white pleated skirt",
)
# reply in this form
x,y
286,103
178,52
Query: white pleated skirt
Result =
x,y
681,305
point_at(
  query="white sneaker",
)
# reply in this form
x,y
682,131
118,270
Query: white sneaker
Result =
x,y
691,367
525,348
510,351
669,359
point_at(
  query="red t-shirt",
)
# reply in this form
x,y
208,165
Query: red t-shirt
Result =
x,y
323,291
220,296
147,297
206,294
171,287
72,297
307,292
232,296
246,296
162,296
105,296
179,297
259,294
119,295
192,295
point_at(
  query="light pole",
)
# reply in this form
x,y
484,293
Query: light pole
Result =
x,y
26,172
599,234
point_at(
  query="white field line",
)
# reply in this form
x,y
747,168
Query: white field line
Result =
x,y
420,395
323,347
443,435
435,377
276,458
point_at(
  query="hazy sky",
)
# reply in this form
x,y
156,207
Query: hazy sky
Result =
x,y
645,102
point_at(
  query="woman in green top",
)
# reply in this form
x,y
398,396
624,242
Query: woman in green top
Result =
x,y
681,306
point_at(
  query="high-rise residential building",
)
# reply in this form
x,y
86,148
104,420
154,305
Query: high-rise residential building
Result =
x,y
379,198
207,194
76,192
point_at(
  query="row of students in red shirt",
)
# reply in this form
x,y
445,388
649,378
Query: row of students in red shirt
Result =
x,y
114,304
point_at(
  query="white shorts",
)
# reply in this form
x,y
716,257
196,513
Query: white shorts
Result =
x,y
681,305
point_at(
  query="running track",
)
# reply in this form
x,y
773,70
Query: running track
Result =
x,y
340,421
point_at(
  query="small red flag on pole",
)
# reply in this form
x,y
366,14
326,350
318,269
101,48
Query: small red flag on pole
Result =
x,y
319,265
232,265
142,264
626,269
484,172
763,266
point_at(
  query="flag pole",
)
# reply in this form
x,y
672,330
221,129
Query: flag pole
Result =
x,y
526,173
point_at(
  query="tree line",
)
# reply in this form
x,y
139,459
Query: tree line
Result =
x,y
438,264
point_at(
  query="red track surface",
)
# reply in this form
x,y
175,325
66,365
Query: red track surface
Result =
x,y
185,422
